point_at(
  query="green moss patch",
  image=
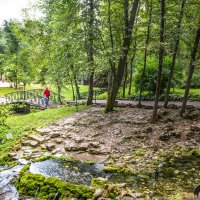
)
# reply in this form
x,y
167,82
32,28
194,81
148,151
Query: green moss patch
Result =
x,y
47,188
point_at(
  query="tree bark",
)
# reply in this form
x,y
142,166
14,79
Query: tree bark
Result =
x,y
125,80
145,53
117,78
91,52
191,68
175,52
76,82
160,65
131,75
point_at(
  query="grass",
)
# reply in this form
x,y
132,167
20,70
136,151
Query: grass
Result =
x,y
21,124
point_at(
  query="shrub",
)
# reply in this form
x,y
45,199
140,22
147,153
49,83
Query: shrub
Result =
x,y
150,77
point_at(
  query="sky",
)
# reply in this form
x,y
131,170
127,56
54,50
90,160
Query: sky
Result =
x,y
12,8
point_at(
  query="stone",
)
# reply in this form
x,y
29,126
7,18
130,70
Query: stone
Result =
x,y
164,137
43,131
50,146
34,143
98,193
12,154
23,161
58,140
94,144
37,138
54,134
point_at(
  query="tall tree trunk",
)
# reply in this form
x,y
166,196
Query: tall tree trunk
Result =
x,y
191,68
72,86
133,57
125,80
131,75
176,47
160,65
145,53
76,82
16,77
117,78
59,88
91,52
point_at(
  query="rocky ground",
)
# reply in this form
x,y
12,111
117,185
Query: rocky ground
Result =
x,y
124,138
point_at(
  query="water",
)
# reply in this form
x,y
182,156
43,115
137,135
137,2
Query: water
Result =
x,y
7,190
72,171
77,172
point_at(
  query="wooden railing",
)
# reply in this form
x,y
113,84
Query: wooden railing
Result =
x,y
32,97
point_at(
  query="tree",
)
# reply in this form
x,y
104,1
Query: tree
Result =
x,y
176,46
161,54
191,68
118,75
149,10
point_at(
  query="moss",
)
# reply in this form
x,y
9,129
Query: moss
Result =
x,y
47,188
99,182
89,162
119,170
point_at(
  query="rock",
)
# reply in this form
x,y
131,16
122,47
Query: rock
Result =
x,y
43,131
98,193
149,129
50,146
12,154
54,134
164,137
175,134
37,138
94,144
23,161
58,140
34,143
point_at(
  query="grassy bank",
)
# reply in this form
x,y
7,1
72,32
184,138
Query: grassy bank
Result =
x,y
21,124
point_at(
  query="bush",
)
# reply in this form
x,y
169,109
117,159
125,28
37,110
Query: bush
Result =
x,y
5,111
172,97
150,77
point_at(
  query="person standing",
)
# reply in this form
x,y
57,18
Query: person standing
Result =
x,y
47,94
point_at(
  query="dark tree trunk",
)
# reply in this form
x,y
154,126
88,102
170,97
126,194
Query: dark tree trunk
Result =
x,y
160,65
191,68
76,82
59,88
16,81
72,86
117,78
145,53
131,75
176,47
125,80
91,52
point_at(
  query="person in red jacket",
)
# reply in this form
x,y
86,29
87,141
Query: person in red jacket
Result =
x,y
47,94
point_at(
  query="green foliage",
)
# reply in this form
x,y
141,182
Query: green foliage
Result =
x,y
150,76
5,111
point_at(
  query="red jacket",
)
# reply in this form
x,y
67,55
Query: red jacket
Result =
x,y
47,93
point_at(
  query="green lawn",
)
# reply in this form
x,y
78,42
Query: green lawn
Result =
x,y
21,124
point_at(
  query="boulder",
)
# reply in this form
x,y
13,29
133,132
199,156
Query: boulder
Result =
x,y
50,146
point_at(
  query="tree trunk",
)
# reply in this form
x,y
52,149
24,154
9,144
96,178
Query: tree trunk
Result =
x,y
125,80
176,47
161,55
131,75
72,86
76,82
145,53
91,52
59,90
191,68
117,78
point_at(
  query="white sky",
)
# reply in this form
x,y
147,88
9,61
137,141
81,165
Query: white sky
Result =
x,y
12,8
